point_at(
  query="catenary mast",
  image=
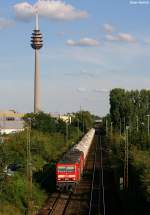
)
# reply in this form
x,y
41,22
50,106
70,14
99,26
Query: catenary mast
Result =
x,y
36,44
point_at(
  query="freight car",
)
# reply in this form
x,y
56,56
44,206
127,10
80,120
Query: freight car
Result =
x,y
69,169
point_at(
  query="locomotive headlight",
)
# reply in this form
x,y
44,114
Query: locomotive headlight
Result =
x,y
61,176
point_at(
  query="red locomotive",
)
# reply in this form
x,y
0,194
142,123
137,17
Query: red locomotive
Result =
x,y
69,169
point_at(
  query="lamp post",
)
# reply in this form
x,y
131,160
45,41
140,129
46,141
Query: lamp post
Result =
x,y
83,127
111,127
147,102
120,127
29,168
126,158
106,126
148,124
66,121
78,127
124,122
137,123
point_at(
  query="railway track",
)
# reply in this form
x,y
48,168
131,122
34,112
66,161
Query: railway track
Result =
x,y
60,205
104,194
57,204
79,203
97,197
104,197
95,194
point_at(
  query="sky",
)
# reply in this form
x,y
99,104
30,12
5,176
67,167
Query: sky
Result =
x,y
90,47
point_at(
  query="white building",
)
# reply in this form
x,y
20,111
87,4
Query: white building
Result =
x,y
66,118
11,122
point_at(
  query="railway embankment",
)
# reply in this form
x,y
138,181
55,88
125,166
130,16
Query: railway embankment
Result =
x,y
135,199
14,189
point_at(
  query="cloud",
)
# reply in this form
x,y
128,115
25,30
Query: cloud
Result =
x,y
147,41
6,23
90,56
120,36
71,42
98,90
24,11
81,89
123,37
82,73
110,37
87,74
109,28
83,42
51,9
126,37
60,34
103,90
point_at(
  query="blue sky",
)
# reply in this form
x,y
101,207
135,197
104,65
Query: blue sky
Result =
x,y
89,48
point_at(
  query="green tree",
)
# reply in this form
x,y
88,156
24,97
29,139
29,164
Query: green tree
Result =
x,y
84,120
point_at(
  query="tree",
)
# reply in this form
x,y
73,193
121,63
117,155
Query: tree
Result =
x,y
42,122
84,120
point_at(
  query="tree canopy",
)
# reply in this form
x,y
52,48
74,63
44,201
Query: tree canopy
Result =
x,y
129,106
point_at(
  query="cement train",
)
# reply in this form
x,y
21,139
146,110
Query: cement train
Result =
x,y
70,167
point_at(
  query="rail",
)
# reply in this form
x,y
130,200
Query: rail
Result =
x,y
60,204
102,179
91,196
97,196
54,205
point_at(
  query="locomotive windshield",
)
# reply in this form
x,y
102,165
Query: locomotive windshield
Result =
x,y
66,169
70,169
61,169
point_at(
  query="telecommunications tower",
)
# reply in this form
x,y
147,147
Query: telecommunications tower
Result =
x,y
36,44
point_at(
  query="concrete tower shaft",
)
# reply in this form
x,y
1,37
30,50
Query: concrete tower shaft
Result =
x,y
36,44
37,86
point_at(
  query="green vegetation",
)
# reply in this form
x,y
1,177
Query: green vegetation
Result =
x,y
136,199
141,163
129,112
49,139
129,108
84,120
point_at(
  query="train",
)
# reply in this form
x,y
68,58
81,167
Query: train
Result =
x,y
69,169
